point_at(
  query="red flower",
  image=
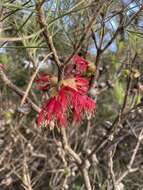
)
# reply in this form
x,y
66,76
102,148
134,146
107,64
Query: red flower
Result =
x,y
82,85
81,64
63,98
56,108
81,104
43,82
72,95
52,110
78,66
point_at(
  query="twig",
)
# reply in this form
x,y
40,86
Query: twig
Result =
x,y
111,154
43,25
31,82
17,90
129,167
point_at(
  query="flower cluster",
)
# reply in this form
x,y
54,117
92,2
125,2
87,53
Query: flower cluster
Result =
x,y
72,95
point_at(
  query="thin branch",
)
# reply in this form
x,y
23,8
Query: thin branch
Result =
x,y
31,81
8,83
112,169
43,25
129,167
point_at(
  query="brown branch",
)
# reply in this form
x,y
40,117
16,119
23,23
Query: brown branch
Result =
x,y
31,81
111,165
43,25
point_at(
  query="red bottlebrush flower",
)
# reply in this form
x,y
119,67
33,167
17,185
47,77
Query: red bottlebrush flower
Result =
x,y
82,85
55,109
78,66
81,64
52,110
81,104
43,82
63,98
71,95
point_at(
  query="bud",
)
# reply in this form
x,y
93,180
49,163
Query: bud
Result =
x,y
30,147
91,68
28,131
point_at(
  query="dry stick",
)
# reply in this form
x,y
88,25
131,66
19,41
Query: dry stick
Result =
x,y
31,81
7,82
26,178
102,33
1,23
112,169
77,159
129,167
